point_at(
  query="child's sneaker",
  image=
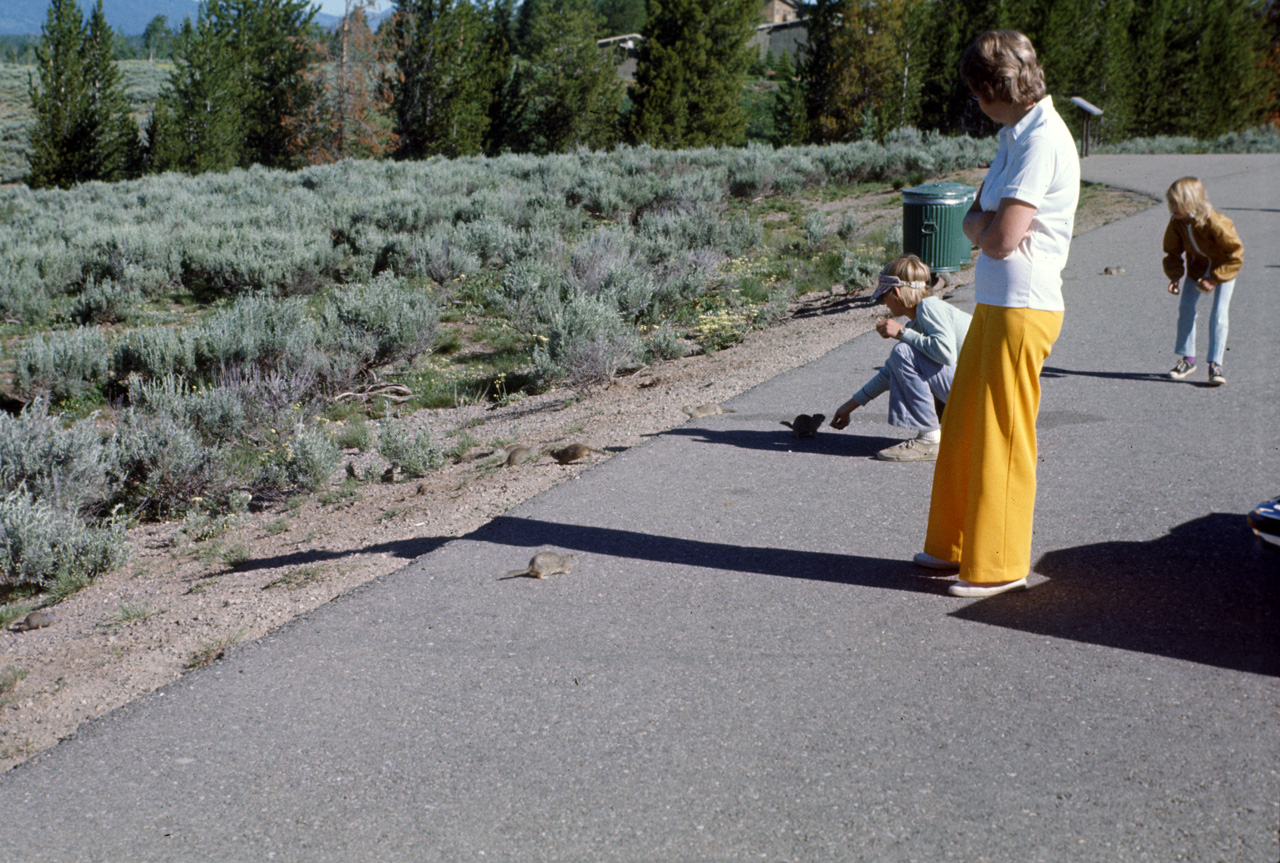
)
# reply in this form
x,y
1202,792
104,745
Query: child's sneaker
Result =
x,y
1216,377
914,449
1182,369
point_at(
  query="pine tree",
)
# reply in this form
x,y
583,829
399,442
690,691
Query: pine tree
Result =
x,y
690,73
351,117
157,38
240,74
949,27
1271,69
443,78
196,124
790,118
112,134
57,131
501,62
1230,87
855,70
619,17
568,93
274,54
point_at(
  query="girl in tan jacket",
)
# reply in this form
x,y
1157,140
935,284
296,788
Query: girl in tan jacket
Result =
x,y
1208,242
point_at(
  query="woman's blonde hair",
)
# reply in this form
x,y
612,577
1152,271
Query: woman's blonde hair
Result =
x,y
1189,195
910,269
1001,66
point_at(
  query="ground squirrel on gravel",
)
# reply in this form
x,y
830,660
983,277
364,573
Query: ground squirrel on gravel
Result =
x,y
34,620
805,425
545,563
516,455
573,452
705,411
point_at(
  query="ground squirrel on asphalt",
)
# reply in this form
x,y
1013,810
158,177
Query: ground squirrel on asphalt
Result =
x,y
35,620
705,411
805,425
573,452
545,563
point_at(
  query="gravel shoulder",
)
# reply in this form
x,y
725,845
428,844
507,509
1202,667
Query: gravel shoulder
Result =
x,y
179,603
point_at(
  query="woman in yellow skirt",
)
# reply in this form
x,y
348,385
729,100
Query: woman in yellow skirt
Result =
x,y
984,484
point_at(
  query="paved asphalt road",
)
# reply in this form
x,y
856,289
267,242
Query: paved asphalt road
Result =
x,y
744,666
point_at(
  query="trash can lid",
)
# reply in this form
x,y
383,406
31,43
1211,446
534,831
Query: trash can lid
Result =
x,y
939,193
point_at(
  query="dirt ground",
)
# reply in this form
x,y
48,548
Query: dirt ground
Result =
x,y
179,603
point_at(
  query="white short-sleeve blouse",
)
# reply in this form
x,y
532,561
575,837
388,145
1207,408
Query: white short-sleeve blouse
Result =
x,y
1035,163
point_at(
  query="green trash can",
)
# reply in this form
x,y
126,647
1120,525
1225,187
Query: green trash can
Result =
x,y
933,224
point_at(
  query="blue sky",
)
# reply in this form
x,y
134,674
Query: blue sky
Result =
x,y
337,7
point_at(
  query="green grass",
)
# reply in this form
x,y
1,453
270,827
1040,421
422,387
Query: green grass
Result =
x,y
129,613
10,676
298,577
213,649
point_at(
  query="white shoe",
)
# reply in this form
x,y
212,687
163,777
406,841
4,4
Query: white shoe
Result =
x,y
974,588
928,561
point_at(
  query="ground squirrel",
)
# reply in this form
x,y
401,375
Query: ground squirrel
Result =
x,y
516,455
34,620
805,425
705,411
573,452
545,563
1113,271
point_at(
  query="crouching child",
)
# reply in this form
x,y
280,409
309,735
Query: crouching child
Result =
x,y
918,372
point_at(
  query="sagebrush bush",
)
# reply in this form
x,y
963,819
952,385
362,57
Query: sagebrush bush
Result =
x,y
355,435
816,230
41,545
65,466
588,343
381,323
257,331
858,271
416,454
162,465
1263,139
151,353
104,302
63,365
313,458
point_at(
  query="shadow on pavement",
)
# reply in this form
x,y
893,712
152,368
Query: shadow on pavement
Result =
x,y
790,563
405,549
826,441
1054,372
1206,592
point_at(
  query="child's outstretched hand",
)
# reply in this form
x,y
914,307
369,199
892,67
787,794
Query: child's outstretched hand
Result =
x,y
841,418
1207,285
1173,288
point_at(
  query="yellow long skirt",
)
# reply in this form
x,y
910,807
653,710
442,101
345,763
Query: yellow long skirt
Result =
x,y
984,484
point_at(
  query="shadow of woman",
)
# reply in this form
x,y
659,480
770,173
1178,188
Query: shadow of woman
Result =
x,y
1207,592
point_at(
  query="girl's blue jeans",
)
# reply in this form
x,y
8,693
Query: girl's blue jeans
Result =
x,y
917,385
1217,319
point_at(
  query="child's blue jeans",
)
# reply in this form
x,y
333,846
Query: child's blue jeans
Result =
x,y
1217,319
917,385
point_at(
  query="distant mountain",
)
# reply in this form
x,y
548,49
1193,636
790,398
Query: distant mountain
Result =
x,y
127,17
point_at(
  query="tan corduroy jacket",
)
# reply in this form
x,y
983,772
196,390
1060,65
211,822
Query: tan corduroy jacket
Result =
x,y
1212,250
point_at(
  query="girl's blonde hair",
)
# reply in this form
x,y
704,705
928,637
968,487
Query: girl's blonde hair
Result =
x,y
909,268
1001,66
1189,195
